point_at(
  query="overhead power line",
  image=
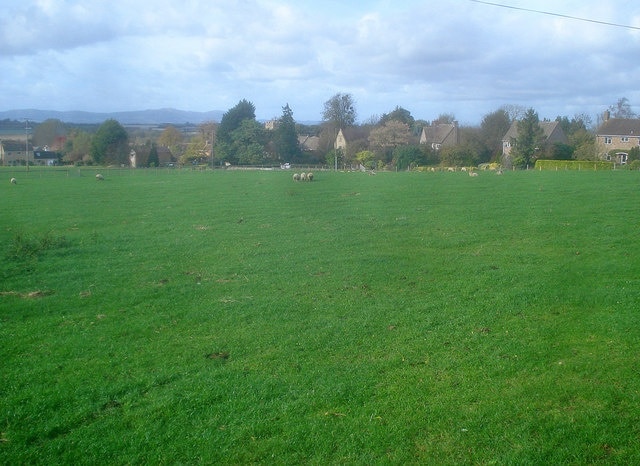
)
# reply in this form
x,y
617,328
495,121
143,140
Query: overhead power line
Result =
x,y
549,13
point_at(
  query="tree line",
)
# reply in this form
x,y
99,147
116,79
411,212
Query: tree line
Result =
x,y
389,140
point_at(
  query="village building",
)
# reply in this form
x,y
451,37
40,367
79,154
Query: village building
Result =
x,y
309,143
14,152
46,157
553,134
616,137
440,135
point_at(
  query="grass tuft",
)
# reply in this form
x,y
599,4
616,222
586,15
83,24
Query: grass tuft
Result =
x,y
26,247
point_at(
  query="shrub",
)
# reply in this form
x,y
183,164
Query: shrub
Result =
x,y
634,165
573,165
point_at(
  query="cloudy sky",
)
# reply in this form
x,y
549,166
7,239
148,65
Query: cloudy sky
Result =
x,y
461,57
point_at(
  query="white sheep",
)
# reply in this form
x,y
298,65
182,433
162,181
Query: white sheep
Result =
x,y
473,174
303,176
99,177
14,181
309,176
296,177
499,172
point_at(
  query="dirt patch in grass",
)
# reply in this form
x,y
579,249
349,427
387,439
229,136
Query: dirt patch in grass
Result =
x,y
219,355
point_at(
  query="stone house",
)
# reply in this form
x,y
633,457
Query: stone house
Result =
x,y
341,142
46,157
13,152
616,137
309,143
440,135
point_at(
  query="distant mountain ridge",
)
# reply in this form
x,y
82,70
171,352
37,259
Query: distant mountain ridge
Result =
x,y
140,117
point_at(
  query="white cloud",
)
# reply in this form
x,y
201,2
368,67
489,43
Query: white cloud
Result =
x,y
454,56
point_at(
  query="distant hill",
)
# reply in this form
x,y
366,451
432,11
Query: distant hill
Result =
x,y
141,117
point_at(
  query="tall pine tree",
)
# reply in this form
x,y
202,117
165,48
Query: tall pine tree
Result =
x,y
286,138
154,159
530,139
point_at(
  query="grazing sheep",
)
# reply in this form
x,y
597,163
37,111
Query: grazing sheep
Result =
x,y
303,177
499,172
14,181
473,174
309,176
451,169
296,177
99,177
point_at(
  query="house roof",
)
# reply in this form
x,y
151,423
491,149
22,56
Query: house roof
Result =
x,y
14,146
551,129
309,142
164,154
620,127
438,133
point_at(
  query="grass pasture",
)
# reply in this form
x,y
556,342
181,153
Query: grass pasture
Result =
x,y
178,317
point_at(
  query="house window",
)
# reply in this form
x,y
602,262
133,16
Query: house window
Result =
x,y
607,140
624,139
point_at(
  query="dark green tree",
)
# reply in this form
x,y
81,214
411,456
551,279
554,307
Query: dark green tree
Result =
x,y
558,151
229,139
492,129
248,142
286,138
153,160
529,140
573,125
233,118
461,155
405,156
398,114
110,144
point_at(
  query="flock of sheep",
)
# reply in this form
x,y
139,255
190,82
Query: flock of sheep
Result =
x,y
303,177
99,177
296,176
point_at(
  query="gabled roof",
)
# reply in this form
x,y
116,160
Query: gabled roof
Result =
x,y
14,146
309,142
620,127
551,129
164,154
437,133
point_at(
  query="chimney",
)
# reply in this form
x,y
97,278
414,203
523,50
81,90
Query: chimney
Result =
x,y
607,115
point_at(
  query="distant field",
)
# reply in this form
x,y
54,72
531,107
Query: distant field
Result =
x,y
181,317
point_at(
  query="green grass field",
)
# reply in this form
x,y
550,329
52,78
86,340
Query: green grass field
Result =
x,y
178,317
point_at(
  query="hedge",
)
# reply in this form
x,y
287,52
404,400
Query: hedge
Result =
x,y
573,165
